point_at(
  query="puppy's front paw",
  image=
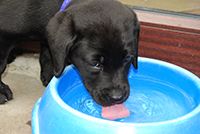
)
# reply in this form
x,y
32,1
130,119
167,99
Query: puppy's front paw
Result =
x,y
5,94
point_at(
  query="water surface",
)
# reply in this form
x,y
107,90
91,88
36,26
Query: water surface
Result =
x,y
149,101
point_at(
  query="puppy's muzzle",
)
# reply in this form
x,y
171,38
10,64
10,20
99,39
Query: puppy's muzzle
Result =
x,y
116,96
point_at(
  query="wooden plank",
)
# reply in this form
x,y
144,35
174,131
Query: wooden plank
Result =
x,y
30,45
177,46
176,20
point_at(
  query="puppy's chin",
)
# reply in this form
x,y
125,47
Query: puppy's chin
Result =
x,y
104,100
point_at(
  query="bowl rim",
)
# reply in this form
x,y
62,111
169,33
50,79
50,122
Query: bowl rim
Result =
x,y
195,111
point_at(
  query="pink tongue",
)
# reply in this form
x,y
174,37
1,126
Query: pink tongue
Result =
x,y
116,111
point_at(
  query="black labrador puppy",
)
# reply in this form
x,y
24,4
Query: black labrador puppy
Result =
x,y
25,20
100,37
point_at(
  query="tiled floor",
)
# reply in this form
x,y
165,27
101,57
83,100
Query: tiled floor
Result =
x,y
23,78
187,6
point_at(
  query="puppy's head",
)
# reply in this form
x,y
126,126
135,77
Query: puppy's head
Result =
x,y
101,39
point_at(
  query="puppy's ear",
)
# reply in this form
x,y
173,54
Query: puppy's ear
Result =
x,y
60,36
136,33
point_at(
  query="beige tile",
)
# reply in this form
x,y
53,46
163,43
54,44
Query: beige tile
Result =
x,y
172,5
193,11
23,78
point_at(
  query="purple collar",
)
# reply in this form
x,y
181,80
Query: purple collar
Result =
x,y
64,5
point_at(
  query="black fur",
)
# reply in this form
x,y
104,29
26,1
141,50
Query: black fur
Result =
x,y
25,20
100,37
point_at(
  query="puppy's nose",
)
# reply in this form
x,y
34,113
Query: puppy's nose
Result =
x,y
116,96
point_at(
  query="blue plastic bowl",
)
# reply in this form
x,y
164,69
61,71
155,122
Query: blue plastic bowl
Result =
x,y
164,98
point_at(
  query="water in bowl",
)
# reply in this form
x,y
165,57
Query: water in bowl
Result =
x,y
149,101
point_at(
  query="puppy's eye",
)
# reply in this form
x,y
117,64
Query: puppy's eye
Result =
x,y
127,59
95,65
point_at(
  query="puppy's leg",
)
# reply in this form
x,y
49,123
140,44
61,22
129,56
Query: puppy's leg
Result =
x,y
46,63
5,92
